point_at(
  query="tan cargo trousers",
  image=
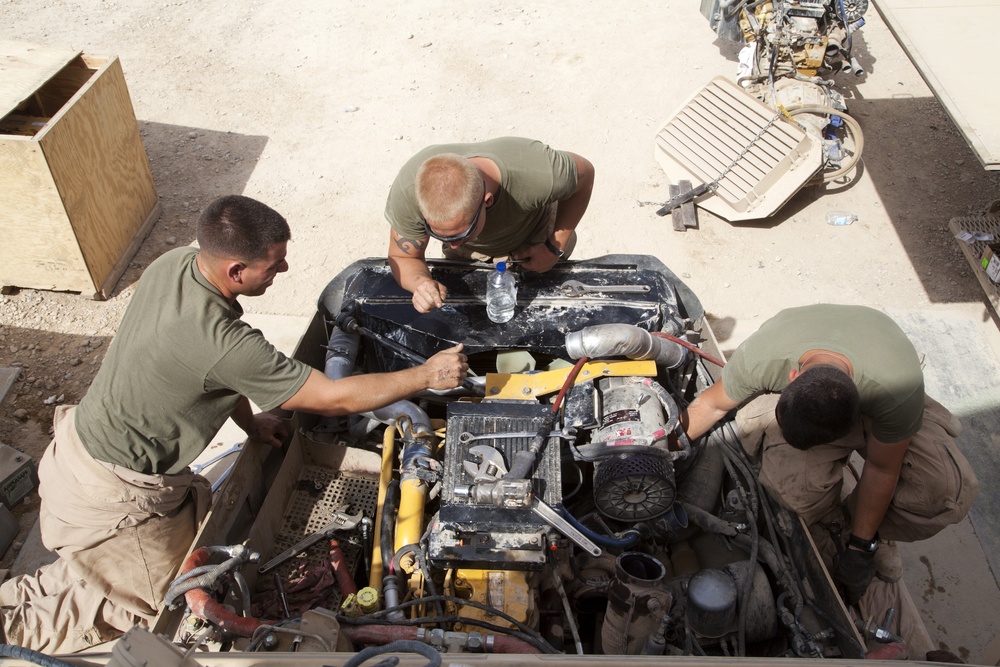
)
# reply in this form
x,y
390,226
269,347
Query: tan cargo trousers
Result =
x,y
936,488
120,537
936,484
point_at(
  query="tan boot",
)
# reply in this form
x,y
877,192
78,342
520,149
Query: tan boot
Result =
x,y
888,564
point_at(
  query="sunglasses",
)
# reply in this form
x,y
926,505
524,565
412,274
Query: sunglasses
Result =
x,y
463,235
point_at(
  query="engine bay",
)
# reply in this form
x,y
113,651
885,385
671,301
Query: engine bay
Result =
x,y
551,505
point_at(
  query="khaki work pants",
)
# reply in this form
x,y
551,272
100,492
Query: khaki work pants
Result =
x,y
543,230
936,488
120,537
936,484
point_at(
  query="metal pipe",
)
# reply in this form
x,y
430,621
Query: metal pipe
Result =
x,y
385,474
609,340
410,516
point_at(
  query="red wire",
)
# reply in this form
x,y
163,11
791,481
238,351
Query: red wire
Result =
x,y
568,383
694,348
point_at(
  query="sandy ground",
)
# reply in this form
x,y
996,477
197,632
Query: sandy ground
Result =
x,y
313,106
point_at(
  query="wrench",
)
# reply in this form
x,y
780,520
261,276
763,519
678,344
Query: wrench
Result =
x,y
341,521
215,459
551,517
466,437
490,466
576,288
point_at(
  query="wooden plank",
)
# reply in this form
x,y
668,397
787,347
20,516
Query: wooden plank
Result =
x,y
105,290
25,67
37,246
675,220
100,167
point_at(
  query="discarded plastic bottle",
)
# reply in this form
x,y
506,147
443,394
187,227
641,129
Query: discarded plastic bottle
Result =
x,y
501,294
840,218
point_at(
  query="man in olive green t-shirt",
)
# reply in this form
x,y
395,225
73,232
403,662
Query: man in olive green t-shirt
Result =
x,y
119,504
827,380
506,197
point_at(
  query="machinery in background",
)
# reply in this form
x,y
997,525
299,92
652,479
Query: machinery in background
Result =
x,y
748,148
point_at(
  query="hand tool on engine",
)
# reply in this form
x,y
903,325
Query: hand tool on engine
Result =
x,y
490,469
281,594
465,437
350,325
341,520
551,517
490,466
576,288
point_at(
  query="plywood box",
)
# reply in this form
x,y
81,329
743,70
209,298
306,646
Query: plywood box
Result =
x,y
77,195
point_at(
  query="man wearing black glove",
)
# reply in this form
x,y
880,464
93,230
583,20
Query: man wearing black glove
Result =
x,y
854,568
816,384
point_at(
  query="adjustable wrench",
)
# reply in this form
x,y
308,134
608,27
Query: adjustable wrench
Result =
x,y
491,468
341,521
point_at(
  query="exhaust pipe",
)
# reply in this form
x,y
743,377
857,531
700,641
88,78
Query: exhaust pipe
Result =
x,y
610,340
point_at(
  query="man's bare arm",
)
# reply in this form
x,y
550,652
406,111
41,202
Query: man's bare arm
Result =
x,y
706,410
409,268
568,215
877,485
362,393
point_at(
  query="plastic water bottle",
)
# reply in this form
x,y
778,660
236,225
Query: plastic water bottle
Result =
x,y
840,218
501,294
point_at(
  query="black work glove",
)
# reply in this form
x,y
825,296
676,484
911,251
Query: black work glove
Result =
x,y
854,570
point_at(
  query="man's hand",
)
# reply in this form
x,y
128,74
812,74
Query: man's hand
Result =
x,y
537,257
267,428
854,570
447,368
429,295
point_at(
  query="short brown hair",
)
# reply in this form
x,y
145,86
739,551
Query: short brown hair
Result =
x,y
238,227
447,186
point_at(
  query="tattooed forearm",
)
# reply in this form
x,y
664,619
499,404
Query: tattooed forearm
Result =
x,y
410,245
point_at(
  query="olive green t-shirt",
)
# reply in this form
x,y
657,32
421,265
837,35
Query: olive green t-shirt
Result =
x,y
886,366
532,176
180,362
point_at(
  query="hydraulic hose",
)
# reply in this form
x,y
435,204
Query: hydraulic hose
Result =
x,y
853,126
384,634
205,606
34,657
602,540
196,573
398,646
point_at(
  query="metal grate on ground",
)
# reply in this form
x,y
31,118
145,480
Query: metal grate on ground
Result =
x,y
974,251
317,495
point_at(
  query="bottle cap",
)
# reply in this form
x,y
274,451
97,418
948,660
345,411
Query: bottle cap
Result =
x,y
501,267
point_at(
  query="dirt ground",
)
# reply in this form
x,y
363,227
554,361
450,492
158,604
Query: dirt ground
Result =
x,y
313,106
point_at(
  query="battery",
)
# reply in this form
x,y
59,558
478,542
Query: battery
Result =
x,y
17,476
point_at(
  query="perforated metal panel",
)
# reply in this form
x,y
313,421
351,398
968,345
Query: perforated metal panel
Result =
x,y
714,128
318,493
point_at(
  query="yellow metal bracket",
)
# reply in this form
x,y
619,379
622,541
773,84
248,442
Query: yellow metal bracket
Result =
x,y
528,386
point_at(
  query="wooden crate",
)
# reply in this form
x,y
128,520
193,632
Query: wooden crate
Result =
x,y
77,197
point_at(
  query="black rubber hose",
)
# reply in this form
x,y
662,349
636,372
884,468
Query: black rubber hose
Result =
x,y
34,657
400,646
387,529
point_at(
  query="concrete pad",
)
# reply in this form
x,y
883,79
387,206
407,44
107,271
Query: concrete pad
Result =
x,y
953,576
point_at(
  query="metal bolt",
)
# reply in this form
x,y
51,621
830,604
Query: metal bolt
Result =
x,y
526,391
494,390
